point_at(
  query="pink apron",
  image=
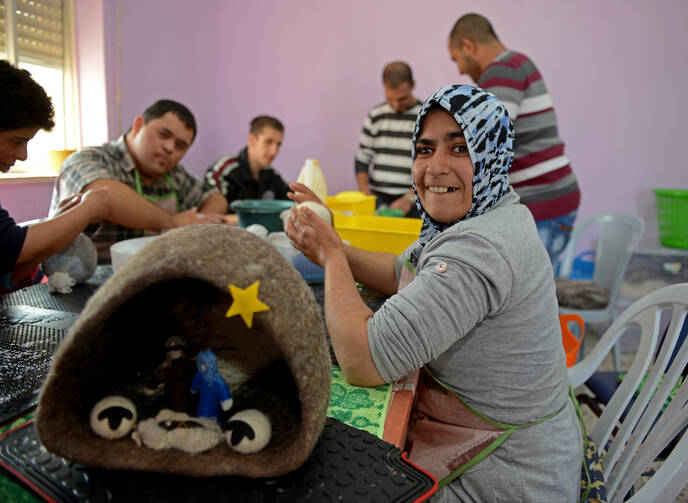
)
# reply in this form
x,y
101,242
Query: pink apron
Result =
x,y
446,436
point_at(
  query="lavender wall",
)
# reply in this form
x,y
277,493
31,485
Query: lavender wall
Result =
x,y
26,201
615,70
167,49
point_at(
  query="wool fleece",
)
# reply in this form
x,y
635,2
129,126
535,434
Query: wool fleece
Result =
x,y
178,285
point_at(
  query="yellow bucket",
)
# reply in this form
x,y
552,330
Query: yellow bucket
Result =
x,y
379,234
353,201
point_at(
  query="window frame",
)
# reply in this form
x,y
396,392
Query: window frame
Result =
x,y
72,131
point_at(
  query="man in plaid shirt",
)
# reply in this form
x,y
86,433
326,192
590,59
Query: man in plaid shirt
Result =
x,y
149,190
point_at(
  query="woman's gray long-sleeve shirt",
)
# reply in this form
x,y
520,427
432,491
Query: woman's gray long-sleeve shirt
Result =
x,y
487,326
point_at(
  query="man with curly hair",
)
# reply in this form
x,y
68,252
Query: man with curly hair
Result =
x,y
24,109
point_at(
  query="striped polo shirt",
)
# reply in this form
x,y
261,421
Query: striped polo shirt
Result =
x,y
540,173
385,142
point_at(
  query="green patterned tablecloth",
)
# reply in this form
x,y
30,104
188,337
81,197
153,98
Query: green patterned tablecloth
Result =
x,y
362,408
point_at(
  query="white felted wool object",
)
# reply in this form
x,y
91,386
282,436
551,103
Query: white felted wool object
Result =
x,y
248,431
75,263
113,417
198,434
318,209
258,230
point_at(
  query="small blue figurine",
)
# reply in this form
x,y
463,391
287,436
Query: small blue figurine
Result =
x,y
214,394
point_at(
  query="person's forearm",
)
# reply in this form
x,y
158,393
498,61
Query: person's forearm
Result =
x,y
46,238
375,270
347,316
215,203
129,209
363,181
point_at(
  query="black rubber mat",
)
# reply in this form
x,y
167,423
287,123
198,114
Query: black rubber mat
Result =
x,y
33,321
347,464
27,353
39,296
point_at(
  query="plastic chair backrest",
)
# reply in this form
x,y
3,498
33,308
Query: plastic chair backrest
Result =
x,y
644,433
617,232
572,343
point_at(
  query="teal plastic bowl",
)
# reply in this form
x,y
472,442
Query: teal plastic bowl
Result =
x,y
264,212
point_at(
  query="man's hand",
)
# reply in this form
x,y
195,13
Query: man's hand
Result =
x,y
403,203
193,217
95,201
68,203
232,219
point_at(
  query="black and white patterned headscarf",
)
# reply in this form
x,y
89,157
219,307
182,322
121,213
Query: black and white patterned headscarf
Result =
x,y
489,136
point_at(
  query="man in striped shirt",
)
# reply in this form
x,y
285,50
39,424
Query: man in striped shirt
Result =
x,y
540,173
383,159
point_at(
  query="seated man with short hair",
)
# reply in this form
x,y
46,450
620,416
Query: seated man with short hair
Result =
x,y
150,191
249,174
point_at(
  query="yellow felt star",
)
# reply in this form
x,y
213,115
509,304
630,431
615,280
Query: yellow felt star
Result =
x,y
245,303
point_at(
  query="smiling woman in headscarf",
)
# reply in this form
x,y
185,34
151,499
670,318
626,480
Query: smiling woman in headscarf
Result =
x,y
473,303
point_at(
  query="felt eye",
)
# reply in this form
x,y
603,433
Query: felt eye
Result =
x,y
113,417
248,431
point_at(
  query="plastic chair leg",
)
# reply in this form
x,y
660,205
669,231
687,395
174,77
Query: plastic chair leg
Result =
x,y
617,357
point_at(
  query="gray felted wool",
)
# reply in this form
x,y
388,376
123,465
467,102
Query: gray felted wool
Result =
x,y
75,263
178,285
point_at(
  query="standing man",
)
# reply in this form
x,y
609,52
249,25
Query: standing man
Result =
x,y
149,190
540,173
385,143
24,109
249,174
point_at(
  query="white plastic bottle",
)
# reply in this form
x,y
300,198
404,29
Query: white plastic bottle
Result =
x,y
312,177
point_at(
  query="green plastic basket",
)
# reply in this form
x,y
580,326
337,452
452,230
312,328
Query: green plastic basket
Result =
x,y
672,217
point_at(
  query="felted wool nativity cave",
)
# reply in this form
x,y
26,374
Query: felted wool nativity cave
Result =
x,y
178,285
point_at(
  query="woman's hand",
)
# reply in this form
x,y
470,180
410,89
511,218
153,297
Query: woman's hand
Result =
x,y
300,194
312,236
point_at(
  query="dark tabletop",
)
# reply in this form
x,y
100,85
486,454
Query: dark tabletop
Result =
x,y
34,321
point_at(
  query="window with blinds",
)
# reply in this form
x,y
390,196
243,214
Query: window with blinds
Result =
x,y
33,30
39,32
35,35
3,49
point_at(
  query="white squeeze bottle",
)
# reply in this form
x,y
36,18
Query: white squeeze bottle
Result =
x,y
312,177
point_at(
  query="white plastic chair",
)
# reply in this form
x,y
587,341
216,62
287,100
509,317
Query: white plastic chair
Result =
x,y
617,235
642,435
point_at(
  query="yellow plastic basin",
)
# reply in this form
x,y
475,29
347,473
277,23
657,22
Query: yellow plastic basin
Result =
x,y
352,200
380,234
